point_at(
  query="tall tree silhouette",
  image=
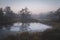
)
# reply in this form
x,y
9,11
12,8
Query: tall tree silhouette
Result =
x,y
9,14
25,16
8,11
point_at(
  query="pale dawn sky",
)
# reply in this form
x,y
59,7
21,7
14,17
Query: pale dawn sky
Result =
x,y
36,6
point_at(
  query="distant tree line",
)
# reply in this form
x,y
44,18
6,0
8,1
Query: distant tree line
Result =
x,y
8,16
55,16
52,16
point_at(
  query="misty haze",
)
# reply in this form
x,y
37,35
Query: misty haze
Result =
x,y
29,19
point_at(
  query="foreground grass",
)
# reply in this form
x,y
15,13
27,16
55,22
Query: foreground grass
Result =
x,y
49,34
24,36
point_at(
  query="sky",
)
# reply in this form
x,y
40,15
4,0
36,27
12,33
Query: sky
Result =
x,y
35,6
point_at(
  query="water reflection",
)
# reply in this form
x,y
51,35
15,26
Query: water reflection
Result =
x,y
29,27
6,26
24,26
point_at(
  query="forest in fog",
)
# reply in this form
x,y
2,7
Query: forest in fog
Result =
x,y
8,15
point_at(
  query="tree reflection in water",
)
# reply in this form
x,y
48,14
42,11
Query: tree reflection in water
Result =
x,y
6,26
24,26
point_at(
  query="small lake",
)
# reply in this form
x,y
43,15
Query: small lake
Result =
x,y
28,27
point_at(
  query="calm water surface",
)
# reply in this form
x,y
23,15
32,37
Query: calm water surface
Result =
x,y
21,27
29,27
